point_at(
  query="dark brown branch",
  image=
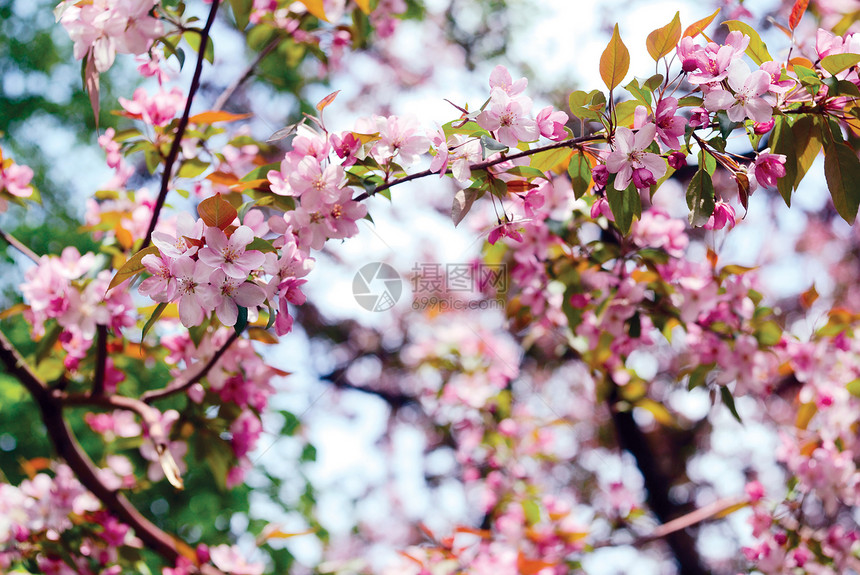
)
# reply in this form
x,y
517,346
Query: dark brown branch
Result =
x,y
180,129
16,243
51,408
183,384
231,89
631,438
101,360
572,143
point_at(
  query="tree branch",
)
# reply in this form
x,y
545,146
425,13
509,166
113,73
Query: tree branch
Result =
x,y
631,438
51,408
101,360
16,243
180,384
180,129
231,89
572,143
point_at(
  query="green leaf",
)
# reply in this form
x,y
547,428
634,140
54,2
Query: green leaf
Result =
x,y
782,142
624,205
615,61
586,105
663,40
132,267
261,172
554,160
730,402
261,245
580,174
490,146
853,387
531,512
156,313
653,82
757,51
192,168
242,320
638,92
836,63
700,198
193,38
842,171
625,111
768,333
807,141
241,12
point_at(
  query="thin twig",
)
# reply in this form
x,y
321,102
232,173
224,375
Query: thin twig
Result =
x,y
572,143
67,447
16,243
180,384
231,89
180,129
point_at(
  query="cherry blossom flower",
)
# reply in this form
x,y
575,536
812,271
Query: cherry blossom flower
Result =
x,y
232,293
230,560
769,168
669,126
551,123
400,136
15,179
157,110
231,255
507,230
630,159
746,102
315,185
724,215
508,118
196,295
501,78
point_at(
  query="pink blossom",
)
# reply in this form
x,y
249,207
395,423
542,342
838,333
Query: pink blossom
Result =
x,y
551,123
439,164
309,142
15,179
232,293
246,431
657,230
402,137
230,560
346,146
600,174
630,159
231,255
715,60
508,118
746,102
315,185
677,160
500,78
724,215
769,168
506,229
157,110
669,126
600,207
161,285
699,117
196,295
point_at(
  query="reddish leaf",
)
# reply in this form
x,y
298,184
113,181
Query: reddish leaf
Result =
x,y
663,40
797,13
327,100
316,8
91,84
520,186
222,178
216,211
213,116
697,28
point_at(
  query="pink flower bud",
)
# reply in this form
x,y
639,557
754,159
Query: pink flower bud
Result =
x,y
699,117
764,127
677,160
643,178
600,174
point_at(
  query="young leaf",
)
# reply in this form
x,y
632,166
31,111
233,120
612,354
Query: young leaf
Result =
x,y
797,13
241,12
700,198
132,267
327,100
842,171
615,61
216,211
490,146
698,27
639,92
152,319
836,63
757,51
663,40
212,116
730,403
316,8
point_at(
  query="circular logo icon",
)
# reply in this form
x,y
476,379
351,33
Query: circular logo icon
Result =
x,y
377,287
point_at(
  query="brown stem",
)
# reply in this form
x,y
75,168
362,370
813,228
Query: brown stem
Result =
x,y
16,243
67,447
180,129
183,384
631,438
231,89
572,143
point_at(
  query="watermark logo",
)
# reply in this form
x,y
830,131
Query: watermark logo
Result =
x,y
377,287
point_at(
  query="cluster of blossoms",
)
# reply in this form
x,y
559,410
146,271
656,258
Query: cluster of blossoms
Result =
x,y
102,28
14,180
